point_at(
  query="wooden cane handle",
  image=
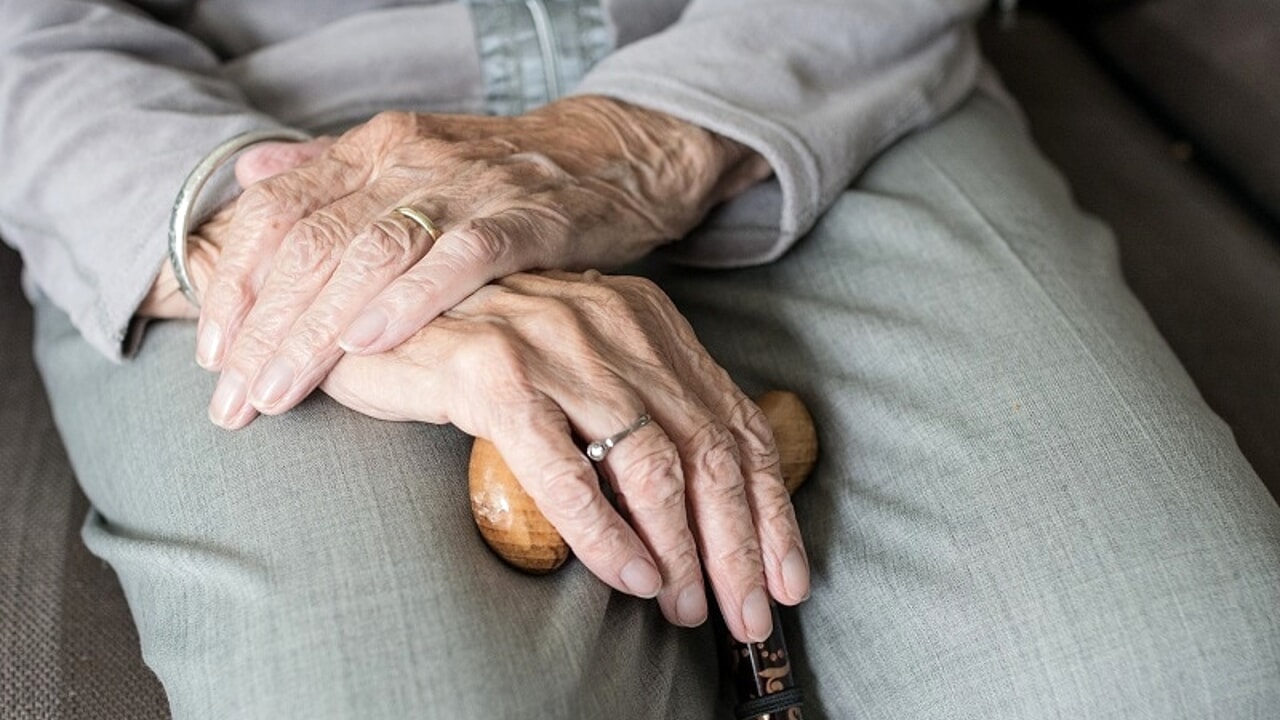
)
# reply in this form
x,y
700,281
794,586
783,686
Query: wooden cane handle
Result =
x,y
514,528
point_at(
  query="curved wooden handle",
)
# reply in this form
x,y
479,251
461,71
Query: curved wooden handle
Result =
x,y
514,528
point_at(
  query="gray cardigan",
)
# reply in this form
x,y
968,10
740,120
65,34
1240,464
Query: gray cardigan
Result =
x,y
105,106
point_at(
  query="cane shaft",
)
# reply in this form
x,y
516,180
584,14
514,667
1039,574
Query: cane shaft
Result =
x,y
762,677
517,531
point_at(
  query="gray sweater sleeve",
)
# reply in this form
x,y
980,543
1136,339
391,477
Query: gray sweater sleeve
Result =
x,y
102,110
817,87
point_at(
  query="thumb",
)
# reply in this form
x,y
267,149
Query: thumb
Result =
x,y
272,158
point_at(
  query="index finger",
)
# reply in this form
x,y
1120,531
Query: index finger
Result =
x,y
464,259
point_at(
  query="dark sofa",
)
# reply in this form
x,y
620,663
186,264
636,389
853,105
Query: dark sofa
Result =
x,y
1161,114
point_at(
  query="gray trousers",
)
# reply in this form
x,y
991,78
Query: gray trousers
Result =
x,y
1023,507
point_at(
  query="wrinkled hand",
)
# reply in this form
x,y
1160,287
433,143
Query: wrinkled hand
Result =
x,y
315,261
165,299
535,360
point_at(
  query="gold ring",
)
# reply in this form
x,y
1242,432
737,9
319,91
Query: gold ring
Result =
x,y
419,217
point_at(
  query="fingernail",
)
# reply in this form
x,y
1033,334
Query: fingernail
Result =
x,y
228,399
244,417
366,328
209,345
641,578
757,616
272,382
795,575
691,606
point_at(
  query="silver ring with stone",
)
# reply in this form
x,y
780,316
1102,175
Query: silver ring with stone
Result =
x,y
598,449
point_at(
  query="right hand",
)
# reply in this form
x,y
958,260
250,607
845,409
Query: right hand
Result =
x,y
534,361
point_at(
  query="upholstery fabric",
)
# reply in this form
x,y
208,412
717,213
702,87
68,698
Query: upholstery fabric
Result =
x,y
67,646
1207,270
1212,68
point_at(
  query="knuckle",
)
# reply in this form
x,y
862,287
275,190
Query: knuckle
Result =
x,y
761,449
262,328
409,292
228,292
616,304
386,240
717,459
495,357
603,538
740,559
553,317
314,332
480,243
504,176
539,165
653,481
254,343
777,512
607,306
271,204
684,560
611,303
312,244
567,491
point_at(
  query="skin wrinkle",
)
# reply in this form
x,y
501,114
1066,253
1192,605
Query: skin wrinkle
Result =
x,y
531,360
762,453
543,339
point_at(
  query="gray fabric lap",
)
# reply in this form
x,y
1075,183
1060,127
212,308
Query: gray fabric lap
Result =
x,y
322,564
1023,507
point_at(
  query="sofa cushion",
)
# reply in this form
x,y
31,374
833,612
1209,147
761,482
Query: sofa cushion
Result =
x,y
68,648
1213,68
1068,8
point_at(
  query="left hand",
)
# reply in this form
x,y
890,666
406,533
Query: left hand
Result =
x,y
316,263
532,361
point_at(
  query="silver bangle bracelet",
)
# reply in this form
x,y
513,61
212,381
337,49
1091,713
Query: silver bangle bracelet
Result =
x,y
184,203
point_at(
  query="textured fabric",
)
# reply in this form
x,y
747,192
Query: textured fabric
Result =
x,y
534,51
1211,68
67,646
1023,507
34,499
1206,268
324,565
143,90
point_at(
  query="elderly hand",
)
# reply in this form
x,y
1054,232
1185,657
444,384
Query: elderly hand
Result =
x,y
535,360
165,298
316,262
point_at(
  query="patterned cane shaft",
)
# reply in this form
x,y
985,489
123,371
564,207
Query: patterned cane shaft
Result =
x,y
762,678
